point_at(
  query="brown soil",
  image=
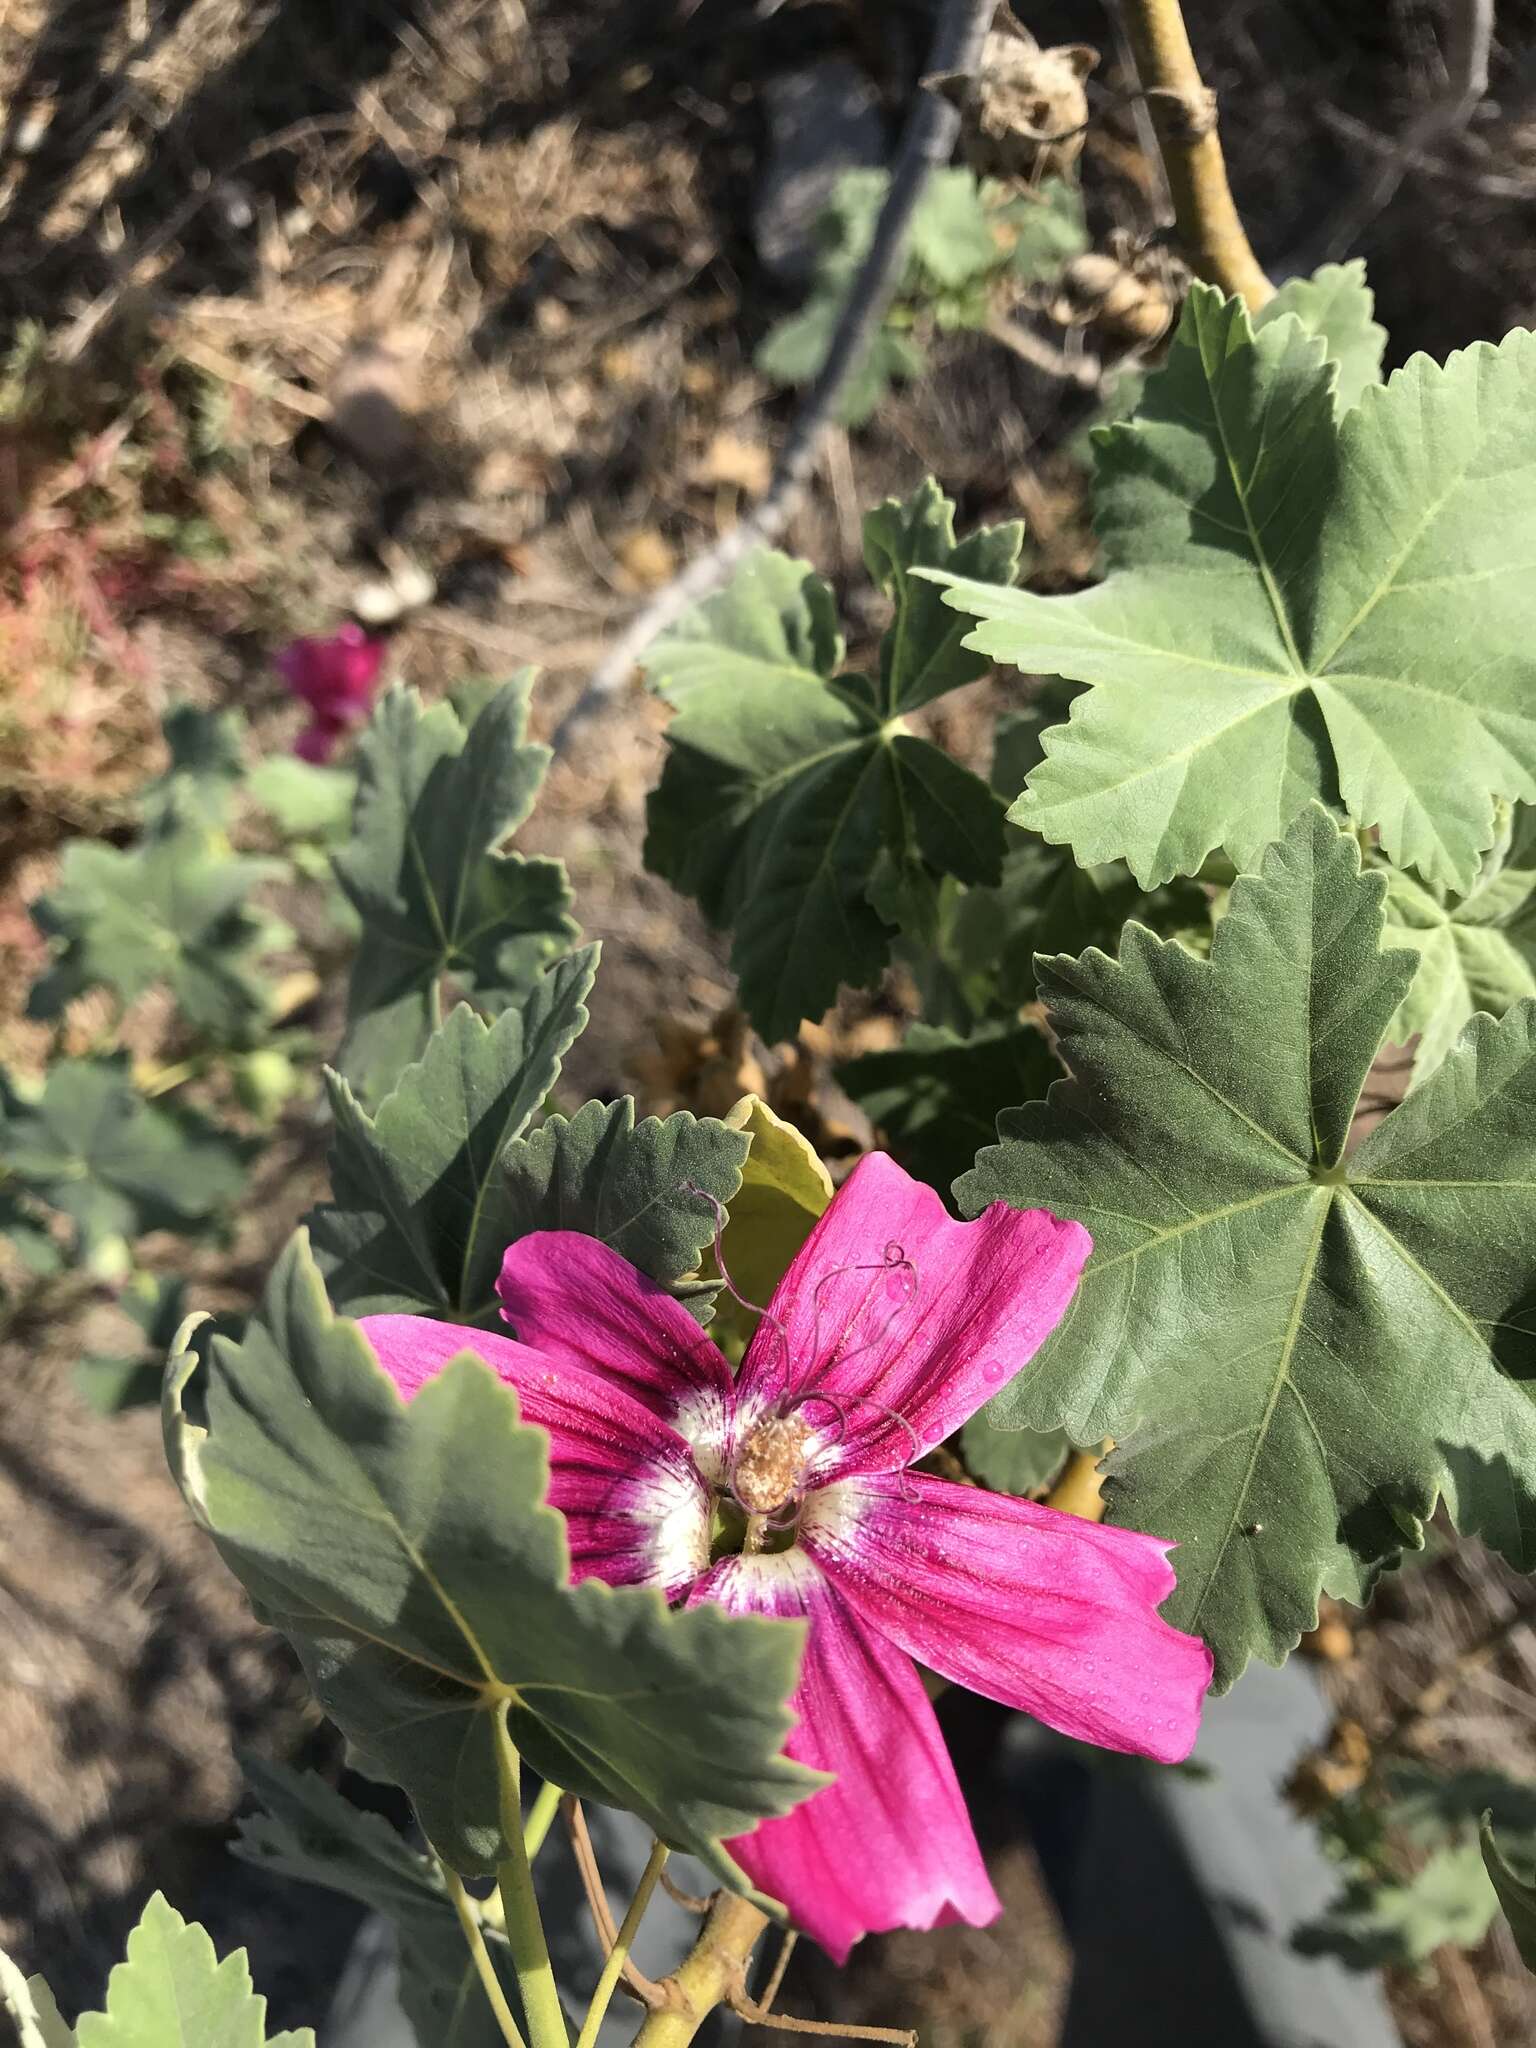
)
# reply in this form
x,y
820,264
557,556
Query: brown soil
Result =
x,y
512,247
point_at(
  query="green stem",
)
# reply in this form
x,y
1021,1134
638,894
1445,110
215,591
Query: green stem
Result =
x,y
618,1955
540,1816
525,1929
714,1973
480,1955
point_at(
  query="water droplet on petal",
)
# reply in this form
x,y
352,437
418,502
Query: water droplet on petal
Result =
x,y
992,1372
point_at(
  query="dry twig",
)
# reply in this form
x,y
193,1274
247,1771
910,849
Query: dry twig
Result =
x,y
1043,355
650,1994
927,142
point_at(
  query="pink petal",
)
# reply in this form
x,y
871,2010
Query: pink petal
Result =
x,y
635,1508
1032,1607
577,1301
335,676
317,742
890,1843
901,1321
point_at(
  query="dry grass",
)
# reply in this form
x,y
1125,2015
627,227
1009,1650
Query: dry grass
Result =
x,y
1417,1624
325,284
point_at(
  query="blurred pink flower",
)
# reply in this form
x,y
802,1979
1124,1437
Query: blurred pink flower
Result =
x,y
892,1326
336,678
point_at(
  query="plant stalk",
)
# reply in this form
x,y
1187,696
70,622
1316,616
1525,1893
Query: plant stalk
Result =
x,y
525,1929
480,1955
714,1972
618,1954
1184,115
541,1817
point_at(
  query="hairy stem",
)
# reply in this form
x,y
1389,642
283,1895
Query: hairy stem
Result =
x,y
480,1955
618,1954
713,1973
525,1929
1184,115
540,1818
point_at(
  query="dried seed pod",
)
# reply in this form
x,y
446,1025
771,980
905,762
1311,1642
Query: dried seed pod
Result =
x,y
1028,113
1131,302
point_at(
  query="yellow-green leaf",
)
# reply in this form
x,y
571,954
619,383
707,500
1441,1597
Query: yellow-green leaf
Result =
x,y
784,1188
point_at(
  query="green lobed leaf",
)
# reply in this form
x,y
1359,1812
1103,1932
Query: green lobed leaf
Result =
x,y
312,1833
794,349
174,912
1433,1807
846,225
1338,305
1476,952
953,238
1047,226
785,1188
634,1186
422,1212
961,239
112,1382
404,1550
173,1992
980,957
1296,1353
921,655
424,871
23,1227
934,1098
1515,1890
1415,1878
1018,1461
1379,1920
774,622
306,801
116,1165
794,805
1296,607
207,761
30,2007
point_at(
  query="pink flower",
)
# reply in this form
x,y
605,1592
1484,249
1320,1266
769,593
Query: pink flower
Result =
x,y
336,678
787,1491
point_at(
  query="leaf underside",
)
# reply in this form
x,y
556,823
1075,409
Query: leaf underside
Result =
x,y
174,1992
309,1832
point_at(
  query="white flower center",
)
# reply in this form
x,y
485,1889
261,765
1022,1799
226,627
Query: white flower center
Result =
x,y
771,1465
